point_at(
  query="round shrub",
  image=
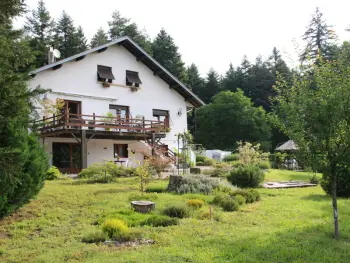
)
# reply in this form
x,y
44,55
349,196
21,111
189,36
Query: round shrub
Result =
x,y
219,198
195,203
240,199
177,210
343,182
255,195
314,179
159,220
230,205
206,215
53,173
247,176
231,157
116,228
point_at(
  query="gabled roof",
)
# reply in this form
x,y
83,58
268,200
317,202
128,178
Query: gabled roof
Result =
x,y
141,55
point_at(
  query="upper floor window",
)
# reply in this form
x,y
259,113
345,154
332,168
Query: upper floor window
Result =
x,y
132,78
104,74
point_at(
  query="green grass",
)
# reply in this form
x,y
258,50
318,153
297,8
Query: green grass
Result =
x,y
286,175
288,225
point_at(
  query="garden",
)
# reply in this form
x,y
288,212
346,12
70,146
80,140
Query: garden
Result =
x,y
221,215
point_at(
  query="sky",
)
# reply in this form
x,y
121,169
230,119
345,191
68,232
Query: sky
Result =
x,y
212,34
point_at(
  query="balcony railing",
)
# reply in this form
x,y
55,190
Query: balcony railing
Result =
x,y
91,122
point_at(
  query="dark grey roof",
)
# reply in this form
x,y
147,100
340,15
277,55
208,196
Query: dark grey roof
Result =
x,y
142,55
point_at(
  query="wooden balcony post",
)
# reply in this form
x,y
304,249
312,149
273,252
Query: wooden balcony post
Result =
x,y
153,143
83,143
143,122
54,119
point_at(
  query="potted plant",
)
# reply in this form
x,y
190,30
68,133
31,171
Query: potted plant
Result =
x,y
168,129
134,88
108,117
106,84
91,123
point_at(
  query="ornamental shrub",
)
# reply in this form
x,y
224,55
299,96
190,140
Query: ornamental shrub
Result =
x,y
117,229
197,184
107,170
240,199
231,157
177,210
159,220
95,237
204,161
53,173
229,205
195,203
247,176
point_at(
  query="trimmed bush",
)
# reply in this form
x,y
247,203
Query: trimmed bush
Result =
x,y
231,157
229,205
247,176
195,203
160,220
106,170
219,198
117,229
343,182
95,237
250,195
177,210
53,173
240,199
205,215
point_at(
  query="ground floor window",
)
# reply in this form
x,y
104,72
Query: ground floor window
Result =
x,y
120,150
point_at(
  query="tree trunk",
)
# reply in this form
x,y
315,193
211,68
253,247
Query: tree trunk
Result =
x,y
334,201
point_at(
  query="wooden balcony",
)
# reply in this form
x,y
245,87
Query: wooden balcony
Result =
x,y
101,127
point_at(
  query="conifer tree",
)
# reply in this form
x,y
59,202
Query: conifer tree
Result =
x,y
211,86
319,38
81,41
99,38
120,26
65,39
39,26
22,160
230,82
166,53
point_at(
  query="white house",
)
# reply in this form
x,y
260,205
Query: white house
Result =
x,y
148,104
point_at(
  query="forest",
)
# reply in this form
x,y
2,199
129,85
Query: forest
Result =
x,y
253,79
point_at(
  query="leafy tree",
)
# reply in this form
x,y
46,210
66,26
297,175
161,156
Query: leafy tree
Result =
x,y
318,119
319,38
65,36
99,38
81,41
22,160
120,26
40,26
230,118
166,53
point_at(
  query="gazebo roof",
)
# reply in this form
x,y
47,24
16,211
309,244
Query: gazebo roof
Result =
x,y
287,146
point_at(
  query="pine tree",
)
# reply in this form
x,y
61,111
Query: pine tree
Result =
x,y
81,41
166,53
194,81
65,36
120,26
211,86
22,160
319,39
40,26
99,38
230,82
278,65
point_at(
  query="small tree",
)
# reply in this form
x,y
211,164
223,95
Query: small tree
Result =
x,y
315,113
249,154
143,172
158,164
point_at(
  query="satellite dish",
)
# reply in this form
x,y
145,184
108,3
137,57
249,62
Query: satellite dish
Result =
x,y
56,53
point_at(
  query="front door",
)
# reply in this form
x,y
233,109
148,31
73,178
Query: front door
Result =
x,y
66,157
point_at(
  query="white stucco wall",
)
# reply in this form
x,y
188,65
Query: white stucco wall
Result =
x,y
80,77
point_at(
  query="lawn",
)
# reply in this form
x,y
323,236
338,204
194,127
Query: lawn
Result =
x,y
288,225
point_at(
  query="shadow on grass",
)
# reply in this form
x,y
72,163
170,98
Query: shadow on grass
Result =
x,y
317,197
